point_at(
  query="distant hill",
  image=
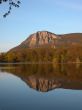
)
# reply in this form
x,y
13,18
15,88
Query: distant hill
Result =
x,y
48,39
45,46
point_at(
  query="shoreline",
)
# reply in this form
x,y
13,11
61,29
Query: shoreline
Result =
x,y
3,63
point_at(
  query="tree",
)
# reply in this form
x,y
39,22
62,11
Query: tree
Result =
x,y
12,3
2,57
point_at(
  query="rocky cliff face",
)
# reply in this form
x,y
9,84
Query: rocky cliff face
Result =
x,y
45,38
38,39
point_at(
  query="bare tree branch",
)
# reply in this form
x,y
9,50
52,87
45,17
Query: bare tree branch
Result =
x,y
12,3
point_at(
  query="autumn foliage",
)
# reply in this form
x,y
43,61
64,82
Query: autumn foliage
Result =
x,y
49,54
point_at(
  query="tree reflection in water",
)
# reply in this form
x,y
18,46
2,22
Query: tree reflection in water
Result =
x,y
46,77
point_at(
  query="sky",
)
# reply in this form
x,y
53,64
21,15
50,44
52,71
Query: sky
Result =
x,y
57,16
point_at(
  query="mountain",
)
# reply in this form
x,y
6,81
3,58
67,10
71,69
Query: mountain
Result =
x,y
48,39
44,46
39,39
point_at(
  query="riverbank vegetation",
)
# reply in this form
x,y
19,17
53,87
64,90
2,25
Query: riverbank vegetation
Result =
x,y
57,55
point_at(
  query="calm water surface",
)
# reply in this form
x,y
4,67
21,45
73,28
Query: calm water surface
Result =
x,y
40,87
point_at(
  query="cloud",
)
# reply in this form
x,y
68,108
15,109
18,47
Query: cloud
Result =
x,y
75,5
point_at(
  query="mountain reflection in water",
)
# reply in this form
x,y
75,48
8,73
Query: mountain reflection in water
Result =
x,y
46,77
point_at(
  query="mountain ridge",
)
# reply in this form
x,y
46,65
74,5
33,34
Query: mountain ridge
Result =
x,y
45,46
49,39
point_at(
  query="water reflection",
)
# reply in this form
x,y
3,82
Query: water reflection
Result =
x,y
46,77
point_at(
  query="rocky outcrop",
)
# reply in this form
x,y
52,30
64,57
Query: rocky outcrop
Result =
x,y
45,38
38,39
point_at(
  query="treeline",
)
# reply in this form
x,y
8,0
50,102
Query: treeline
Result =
x,y
57,55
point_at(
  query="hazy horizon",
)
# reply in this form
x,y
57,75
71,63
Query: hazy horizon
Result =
x,y
56,16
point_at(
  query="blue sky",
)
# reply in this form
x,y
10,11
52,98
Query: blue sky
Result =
x,y
57,16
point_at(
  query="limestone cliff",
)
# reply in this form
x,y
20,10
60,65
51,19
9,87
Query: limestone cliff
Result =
x,y
38,39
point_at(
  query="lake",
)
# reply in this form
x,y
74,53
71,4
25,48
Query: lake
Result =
x,y
40,87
